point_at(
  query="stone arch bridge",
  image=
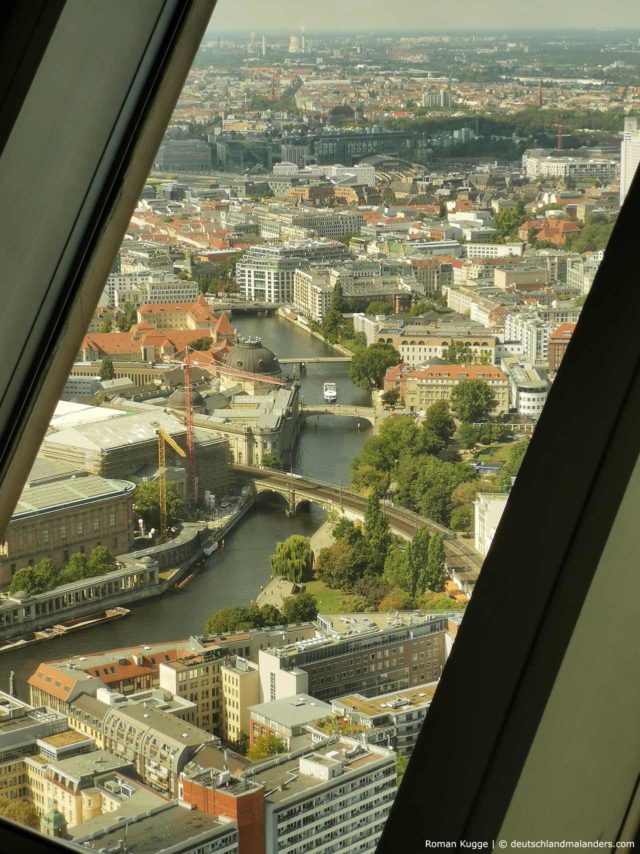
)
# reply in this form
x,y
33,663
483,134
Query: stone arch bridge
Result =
x,y
298,491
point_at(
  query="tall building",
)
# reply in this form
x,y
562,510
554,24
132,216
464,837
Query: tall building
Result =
x,y
629,155
265,273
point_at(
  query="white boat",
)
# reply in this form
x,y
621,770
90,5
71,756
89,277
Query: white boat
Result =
x,y
330,392
210,548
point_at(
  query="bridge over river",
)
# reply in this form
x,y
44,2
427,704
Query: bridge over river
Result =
x,y
297,491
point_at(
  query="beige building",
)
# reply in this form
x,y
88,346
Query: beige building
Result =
x,y
61,512
70,784
418,345
425,386
312,293
240,688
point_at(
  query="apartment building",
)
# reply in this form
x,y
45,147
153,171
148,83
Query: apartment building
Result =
x,y
394,718
529,386
570,167
240,689
287,719
312,293
531,329
521,278
70,783
157,744
332,797
558,343
425,386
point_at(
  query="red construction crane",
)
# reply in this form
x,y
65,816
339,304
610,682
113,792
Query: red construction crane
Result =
x,y
192,482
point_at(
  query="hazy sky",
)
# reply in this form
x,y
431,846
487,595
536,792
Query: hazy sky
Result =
x,y
422,15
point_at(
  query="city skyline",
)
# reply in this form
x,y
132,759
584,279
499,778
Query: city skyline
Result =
x,y
407,16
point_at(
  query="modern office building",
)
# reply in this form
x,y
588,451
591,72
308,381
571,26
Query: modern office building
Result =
x,y
183,155
629,155
357,653
265,273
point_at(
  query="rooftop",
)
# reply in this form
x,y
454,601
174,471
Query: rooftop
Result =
x,y
148,834
385,704
293,711
88,764
49,496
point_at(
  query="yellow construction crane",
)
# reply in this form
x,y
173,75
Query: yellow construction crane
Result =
x,y
163,437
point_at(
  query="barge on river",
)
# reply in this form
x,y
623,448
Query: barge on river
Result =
x,y
62,629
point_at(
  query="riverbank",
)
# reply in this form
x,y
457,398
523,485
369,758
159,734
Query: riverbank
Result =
x,y
291,316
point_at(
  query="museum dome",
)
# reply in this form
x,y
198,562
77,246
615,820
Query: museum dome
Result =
x,y
249,355
177,400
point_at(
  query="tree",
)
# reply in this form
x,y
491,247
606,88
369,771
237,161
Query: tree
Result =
x,y
128,318
435,573
270,616
438,420
101,561
35,579
270,460
391,397
512,466
396,600
107,371
458,353
396,570
302,608
345,531
418,559
146,503
462,518
77,568
241,744
472,400
203,343
376,535
106,326
21,811
293,559
372,590
226,620
369,366
468,435
421,308
378,306
265,746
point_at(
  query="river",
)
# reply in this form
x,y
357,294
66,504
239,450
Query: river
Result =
x,y
233,575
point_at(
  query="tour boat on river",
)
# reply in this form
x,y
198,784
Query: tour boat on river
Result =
x,y
330,392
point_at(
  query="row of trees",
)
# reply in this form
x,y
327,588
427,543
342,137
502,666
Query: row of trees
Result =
x,y
422,465
295,609
45,575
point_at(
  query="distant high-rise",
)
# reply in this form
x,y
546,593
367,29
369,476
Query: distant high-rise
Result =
x,y
264,45
629,155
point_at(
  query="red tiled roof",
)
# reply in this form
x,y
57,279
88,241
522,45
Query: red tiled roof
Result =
x,y
563,332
